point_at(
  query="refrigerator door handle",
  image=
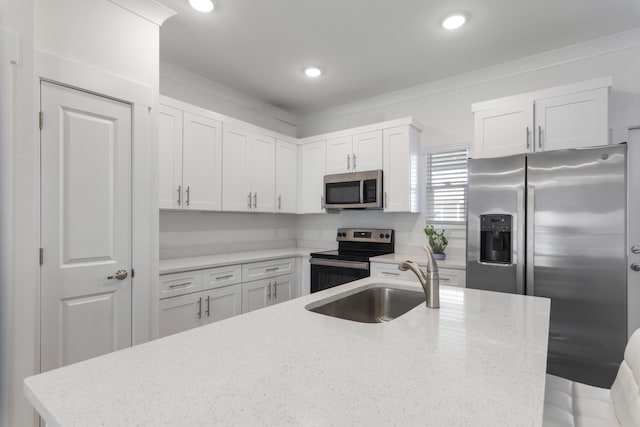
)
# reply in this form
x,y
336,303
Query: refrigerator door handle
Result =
x,y
531,205
519,247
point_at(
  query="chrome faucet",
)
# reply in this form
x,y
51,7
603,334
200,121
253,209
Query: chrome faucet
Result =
x,y
430,282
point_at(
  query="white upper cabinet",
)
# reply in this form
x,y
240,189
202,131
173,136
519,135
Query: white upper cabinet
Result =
x,y
170,156
286,177
367,151
236,191
401,169
312,164
570,116
248,171
339,152
190,155
503,131
360,152
574,120
201,163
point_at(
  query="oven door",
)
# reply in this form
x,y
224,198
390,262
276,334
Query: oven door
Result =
x,y
327,273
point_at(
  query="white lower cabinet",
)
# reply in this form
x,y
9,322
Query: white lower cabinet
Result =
x,y
448,276
195,298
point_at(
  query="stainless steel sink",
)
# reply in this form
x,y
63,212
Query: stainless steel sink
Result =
x,y
376,304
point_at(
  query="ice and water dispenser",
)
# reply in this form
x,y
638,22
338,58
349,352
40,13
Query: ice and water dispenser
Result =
x,y
495,238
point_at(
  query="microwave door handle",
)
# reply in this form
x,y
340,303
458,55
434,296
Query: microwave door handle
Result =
x,y
362,191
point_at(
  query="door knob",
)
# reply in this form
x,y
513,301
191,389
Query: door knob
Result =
x,y
635,249
120,275
635,267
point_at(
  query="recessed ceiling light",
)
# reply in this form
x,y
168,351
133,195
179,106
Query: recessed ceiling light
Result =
x,y
202,5
454,21
313,72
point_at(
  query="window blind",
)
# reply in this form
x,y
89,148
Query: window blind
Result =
x,y
447,186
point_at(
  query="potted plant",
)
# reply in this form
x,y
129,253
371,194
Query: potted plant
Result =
x,y
437,241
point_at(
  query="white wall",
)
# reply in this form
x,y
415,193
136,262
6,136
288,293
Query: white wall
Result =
x,y
185,86
444,107
88,44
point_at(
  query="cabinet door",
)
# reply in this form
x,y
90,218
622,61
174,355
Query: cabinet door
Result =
x,y
254,294
282,289
235,182
202,163
221,303
170,156
367,151
286,177
401,169
572,121
178,314
263,173
503,131
312,171
339,155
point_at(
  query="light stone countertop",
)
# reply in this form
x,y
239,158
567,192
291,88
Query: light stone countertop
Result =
x,y
177,265
479,360
418,258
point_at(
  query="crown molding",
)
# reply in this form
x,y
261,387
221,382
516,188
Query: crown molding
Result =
x,y
150,10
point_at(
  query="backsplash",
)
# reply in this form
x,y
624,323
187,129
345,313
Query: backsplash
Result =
x,y
186,234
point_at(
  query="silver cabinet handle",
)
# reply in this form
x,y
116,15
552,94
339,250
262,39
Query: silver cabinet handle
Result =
x,y
249,200
208,299
444,279
179,285
635,249
269,291
386,200
200,308
272,269
528,141
228,276
322,202
279,201
539,136
255,200
354,161
390,273
635,267
275,290
348,162
120,275
179,195
188,196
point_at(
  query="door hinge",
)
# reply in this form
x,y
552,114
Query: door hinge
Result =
x,y
41,256
133,273
40,119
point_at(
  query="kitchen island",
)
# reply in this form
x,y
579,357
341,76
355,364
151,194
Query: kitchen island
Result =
x,y
478,360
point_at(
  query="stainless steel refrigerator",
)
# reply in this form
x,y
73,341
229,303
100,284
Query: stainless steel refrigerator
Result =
x,y
553,224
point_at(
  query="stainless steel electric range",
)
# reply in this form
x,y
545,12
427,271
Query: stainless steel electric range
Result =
x,y
351,260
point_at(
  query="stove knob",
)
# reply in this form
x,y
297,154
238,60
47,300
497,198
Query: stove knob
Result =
x,y
381,235
387,236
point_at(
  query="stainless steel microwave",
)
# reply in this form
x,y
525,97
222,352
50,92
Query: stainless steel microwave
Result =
x,y
354,190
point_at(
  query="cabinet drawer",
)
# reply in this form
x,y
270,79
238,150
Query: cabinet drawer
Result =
x,y
176,284
451,277
266,269
221,276
391,271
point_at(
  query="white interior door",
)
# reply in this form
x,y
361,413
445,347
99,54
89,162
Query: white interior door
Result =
x,y
85,225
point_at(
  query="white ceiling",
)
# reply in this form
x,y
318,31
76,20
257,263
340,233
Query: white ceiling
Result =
x,y
370,47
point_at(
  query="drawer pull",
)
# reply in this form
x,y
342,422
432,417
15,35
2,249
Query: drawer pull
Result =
x,y
444,279
228,276
269,270
390,273
179,285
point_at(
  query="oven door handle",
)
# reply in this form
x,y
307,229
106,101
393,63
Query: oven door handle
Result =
x,y
342,264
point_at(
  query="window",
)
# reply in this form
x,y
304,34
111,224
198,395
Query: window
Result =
x,y
447,186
